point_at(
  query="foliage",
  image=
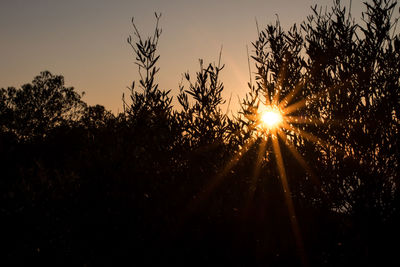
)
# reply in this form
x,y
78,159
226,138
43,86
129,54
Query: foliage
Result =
x,y
203,122
36,108
152,104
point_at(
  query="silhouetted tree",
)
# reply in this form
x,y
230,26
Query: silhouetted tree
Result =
x,y
36,108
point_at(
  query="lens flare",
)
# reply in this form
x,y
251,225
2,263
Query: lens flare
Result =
x,y
271,118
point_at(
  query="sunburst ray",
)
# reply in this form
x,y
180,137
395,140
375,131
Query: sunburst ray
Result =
x,y
256,173
299,157
309,136
288,198
303,102
286,100
311,121
218,179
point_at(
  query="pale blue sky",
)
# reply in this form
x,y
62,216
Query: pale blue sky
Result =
x,y
85,40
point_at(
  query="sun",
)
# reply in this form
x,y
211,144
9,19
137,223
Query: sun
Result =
x,y
271,118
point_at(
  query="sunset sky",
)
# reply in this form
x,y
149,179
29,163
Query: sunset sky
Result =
x,y
85,40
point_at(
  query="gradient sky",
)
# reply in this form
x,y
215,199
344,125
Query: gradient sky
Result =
x,y
85,40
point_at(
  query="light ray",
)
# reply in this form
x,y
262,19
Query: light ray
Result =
x,y
277,92
289,201
279,83
296,106
302,103
299,157
310,137
307,120
217,180
286,100
256,173
267,99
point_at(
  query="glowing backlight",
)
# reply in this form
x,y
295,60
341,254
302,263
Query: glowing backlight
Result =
x,y
271,118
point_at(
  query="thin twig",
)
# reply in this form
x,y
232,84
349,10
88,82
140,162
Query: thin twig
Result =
x,y
219,58
248,63
258,29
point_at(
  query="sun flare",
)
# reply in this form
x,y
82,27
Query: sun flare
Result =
x,y
276,121
271,118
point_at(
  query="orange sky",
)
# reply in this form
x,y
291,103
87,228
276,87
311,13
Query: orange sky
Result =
x,y
85,40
